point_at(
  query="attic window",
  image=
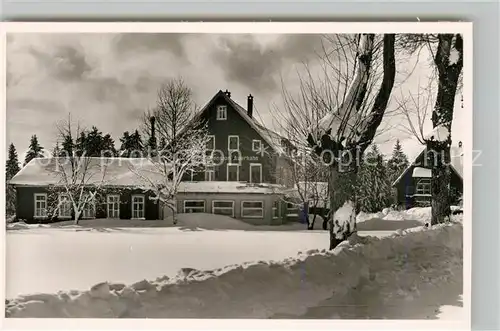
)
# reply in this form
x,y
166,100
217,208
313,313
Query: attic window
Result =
x,y
221,113
256,145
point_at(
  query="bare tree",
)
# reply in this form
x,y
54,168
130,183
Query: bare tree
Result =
x,y
340,109
80,178
447,58
185,134
174,111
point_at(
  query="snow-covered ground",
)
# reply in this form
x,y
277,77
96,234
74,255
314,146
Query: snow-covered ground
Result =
x,y
402,276
48,259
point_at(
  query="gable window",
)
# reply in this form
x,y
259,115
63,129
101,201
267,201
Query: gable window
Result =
x,y
233,172
252,209
256,145
211,142
88,208
423,187
209,173
255,173
221,113
64,206
233,143
223,207
40,204
137,206
113,206
194,206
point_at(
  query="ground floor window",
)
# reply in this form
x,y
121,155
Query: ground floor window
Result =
x,y
223,207
252,209
423,186
89,208
194,206
138,206
64,205
276,209
113,206
40,204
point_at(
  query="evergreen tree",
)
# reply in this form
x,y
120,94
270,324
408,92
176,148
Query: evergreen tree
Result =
x,y
56,151
398,162
374,185
12,166
131,144
67,146
11,169
34,151
94,144
108,146
81,144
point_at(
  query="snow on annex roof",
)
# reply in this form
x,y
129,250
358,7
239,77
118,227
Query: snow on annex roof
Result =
x,y
230,187
114,171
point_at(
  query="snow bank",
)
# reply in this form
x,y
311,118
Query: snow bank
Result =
x,y
407,266
211,222
23,225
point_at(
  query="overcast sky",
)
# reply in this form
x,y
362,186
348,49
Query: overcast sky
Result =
x,y
108,80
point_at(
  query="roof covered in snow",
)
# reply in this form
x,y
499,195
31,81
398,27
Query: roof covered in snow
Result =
x,y
229,187
115,171
420,172
456,164
272,138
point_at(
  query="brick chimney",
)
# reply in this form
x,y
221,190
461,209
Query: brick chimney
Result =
x,y
227,93
250,105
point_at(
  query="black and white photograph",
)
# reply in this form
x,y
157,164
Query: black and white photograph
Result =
x,y
257,171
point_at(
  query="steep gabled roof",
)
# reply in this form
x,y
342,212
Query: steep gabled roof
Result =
x,y
264,133
456,158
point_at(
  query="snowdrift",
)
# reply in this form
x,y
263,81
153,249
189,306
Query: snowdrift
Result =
x,y
408,266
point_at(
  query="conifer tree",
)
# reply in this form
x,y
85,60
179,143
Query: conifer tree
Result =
x,y
398,161
11,169
34,151
374,185
131,144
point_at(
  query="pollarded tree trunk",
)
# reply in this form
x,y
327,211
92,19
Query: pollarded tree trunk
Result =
x,y
440,184
449,63
332,182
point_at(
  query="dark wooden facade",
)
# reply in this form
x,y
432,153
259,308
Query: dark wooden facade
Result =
x,y
409,195
25,204
238,123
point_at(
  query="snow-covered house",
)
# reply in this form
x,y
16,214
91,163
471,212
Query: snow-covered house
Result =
x,y
44,182
251,167
413,186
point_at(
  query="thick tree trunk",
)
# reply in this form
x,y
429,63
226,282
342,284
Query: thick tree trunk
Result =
x,y
332,181
439,158
77,216
439,149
